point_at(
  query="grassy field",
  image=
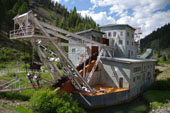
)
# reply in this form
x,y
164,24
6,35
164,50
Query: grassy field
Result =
x,y
157,98
16,102
159,92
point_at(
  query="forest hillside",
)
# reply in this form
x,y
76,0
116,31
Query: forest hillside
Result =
x,y
47,11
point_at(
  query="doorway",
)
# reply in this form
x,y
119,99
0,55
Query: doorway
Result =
x,y
121,82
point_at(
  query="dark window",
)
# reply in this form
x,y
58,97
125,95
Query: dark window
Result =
x,y
137,69
73,50
143,77
120,42
121,82
127,33
149,76
127,42
133,79
132,35
114,34
109,34
121,33
131,52
138,77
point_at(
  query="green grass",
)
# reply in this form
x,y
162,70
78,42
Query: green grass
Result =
x,y
28,92
12,75
19,108
163,62
15,50
22,109
157,98
159,92
6,78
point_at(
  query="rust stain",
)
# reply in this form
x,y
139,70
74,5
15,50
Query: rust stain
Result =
x,y
105,90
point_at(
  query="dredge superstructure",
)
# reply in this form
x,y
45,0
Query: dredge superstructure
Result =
x,y
99,79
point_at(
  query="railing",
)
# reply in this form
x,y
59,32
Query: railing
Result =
x,y
23,31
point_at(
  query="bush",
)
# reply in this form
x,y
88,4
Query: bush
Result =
x,y
161,85
163,58
155,105
2,66
12,74
157,98
48,101
14,96
25,66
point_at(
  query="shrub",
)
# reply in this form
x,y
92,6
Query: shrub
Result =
x,y
48,101
161,85
25,66
14,96
12,74
155,105
163,58
157,98
2,65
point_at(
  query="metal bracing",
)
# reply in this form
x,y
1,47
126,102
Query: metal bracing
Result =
x,y
95,66
46,44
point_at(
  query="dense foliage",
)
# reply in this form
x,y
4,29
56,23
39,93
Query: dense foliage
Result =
x,y
56,14
160,85
16,50
157,98
69,20
9,9
49,101
47,11
14,96
158,93
157,40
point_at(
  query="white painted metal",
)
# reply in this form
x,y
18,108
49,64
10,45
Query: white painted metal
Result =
x,y
27,24
95,66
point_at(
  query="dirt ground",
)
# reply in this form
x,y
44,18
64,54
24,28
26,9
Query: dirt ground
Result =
x,y
165,71
5,105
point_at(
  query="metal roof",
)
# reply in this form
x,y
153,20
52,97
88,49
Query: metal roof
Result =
x,y
113,25
89,30
129,60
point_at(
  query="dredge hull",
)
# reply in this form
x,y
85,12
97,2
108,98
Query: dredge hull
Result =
x,y
109,99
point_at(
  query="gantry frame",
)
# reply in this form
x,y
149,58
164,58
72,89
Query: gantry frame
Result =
x,y
43,37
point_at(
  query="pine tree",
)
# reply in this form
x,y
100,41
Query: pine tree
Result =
x,y
2,12
23,8
63,24
56,22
